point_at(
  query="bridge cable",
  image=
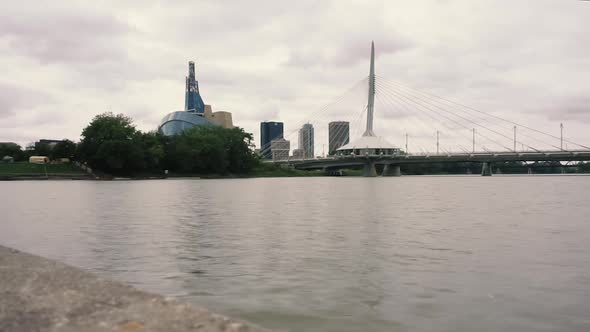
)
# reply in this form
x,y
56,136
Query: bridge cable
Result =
x,y
396,94
464,111
489,115
405,106
463,118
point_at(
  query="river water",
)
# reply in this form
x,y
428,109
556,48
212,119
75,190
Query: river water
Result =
x,y
471,253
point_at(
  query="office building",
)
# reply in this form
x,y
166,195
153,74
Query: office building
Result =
x,y
338,135
279,149
306,140
269,131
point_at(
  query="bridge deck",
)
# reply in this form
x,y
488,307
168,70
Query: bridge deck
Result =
x,y
489,157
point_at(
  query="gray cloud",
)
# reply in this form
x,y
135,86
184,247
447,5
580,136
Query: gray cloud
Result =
x,y
349,54
15,98
572,109
264,60
63,35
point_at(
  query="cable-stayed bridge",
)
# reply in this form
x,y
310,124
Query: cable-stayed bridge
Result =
x,y
462,133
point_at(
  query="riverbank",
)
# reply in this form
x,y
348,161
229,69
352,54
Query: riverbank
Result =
x,y
26,171
30,171
38,294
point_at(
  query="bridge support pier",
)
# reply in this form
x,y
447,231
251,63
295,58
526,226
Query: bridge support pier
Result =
x,y
486,169
369,169
391,170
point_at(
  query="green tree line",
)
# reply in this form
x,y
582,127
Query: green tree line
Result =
x,y
112,144
63,149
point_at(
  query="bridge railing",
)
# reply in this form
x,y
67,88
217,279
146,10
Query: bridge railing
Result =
x,y
490,155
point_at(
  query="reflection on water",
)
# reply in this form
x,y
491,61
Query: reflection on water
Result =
x,y
329,254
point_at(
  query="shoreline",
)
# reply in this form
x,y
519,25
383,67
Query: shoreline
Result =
x,y
40,294
221,177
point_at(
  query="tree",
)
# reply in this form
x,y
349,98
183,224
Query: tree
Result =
x,y
42,149
152,145
240,147
211,149
198,150
119,157
63,149
107,144
111,143
13,150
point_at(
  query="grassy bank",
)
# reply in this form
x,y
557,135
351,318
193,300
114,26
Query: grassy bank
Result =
x,y
25,168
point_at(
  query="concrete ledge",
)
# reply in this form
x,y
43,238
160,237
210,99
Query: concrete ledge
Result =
x,y
38,294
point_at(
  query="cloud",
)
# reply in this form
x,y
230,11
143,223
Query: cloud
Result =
x,y
351,53
15,98
571,109
63,35
262,60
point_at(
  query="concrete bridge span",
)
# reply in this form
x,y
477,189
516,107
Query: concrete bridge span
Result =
x,y
392,163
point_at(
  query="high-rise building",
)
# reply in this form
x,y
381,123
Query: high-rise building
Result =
x,y
192,99
279,149
269,130
338,135
306,140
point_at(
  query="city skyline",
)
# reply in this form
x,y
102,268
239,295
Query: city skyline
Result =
x,y
102,62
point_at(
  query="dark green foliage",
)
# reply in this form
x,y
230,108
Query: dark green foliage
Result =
x,y
41,149
63,149
13,150
111,143
152,145
584,167
508,167
108,144
206,150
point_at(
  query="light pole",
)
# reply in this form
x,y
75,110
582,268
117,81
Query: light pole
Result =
x,y
437,140
514,138
473,140
561,138
407,143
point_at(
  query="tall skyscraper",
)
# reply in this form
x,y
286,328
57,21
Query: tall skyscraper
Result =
x,y
306,140
192,99
338,135
269,131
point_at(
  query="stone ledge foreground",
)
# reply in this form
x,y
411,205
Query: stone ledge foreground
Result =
x,y
37,294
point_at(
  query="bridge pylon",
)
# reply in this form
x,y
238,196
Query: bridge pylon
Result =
x,y
391,170
369,169
486,169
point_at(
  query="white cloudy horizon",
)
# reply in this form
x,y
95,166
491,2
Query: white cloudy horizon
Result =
x,y
64,62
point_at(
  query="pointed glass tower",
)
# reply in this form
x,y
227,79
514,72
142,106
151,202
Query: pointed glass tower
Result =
x,y
192,99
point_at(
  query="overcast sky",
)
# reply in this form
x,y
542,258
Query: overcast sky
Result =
x,y
63,62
